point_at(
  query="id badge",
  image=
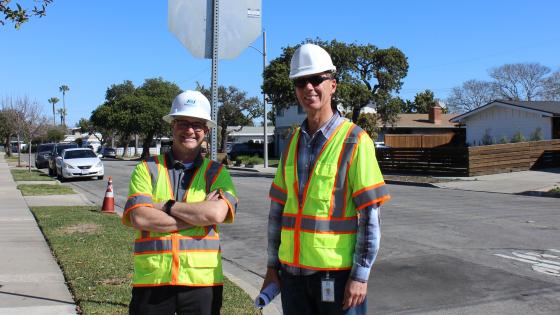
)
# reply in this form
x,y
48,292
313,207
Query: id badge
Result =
x,y
327,290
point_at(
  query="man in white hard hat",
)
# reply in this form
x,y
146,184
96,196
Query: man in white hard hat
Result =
x,y
176,201
323,231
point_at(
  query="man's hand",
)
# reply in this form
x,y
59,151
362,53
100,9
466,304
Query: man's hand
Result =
x,y
354,294
213,196
271,276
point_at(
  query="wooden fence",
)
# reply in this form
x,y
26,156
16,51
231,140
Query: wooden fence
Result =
x,y
418,140
446,161
502,158
472,161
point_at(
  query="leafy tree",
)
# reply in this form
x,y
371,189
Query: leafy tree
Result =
x,y
235,109
520,81
64,88
55,134
85,125
368,122
423,101
390,111
20,15
471,95
7,126
153,101
365,75
53,101
117,112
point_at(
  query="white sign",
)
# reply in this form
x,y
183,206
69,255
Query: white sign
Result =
x,y
239,25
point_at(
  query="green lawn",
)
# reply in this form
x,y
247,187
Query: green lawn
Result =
x,y
44,189
25,175
94,251
555,190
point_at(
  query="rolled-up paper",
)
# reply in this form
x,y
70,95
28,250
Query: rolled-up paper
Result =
x,y
267,295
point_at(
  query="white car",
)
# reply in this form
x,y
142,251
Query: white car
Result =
x,y
78,163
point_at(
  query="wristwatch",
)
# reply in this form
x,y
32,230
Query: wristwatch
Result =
x,y
167,206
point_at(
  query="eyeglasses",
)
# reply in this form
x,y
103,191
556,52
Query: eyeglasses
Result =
x,y
196,126
314,80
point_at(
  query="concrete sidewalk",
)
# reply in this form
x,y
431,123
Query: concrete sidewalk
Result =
x,y
30,280
58,292
524,182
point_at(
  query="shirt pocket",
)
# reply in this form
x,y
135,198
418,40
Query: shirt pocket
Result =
x,y
324,175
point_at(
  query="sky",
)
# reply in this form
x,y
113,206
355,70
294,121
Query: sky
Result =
x,y
90,45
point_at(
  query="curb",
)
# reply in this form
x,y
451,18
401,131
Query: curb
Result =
x,y
249,282
401,182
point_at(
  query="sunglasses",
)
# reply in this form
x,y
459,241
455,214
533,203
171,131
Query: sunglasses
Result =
x,y
196,126
314,80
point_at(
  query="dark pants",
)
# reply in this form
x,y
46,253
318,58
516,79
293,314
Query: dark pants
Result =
x,y
301,295
176,299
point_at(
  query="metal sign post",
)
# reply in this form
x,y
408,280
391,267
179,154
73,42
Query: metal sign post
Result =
x,y
214,86
203,26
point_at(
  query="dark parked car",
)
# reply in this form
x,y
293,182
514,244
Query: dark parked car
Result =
x,y
250,149
56,151
42,155
108,152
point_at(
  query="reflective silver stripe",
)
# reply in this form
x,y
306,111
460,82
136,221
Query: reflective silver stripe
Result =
x,y
138,199
198,244
367,196
322,226
277,194
152,169
211,173
152,246
232,200
339,200
184,244
288,222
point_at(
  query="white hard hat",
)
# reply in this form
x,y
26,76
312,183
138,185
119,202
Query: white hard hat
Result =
x,y
190,104
310,59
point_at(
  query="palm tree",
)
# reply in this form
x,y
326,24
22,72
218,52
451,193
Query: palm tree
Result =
x,y
53,100
62,113
64,88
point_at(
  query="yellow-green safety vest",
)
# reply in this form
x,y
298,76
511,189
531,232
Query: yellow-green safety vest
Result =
x,y
190,257
319,231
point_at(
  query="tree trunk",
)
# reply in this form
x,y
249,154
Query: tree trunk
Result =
x,y
356,113
146,145
224,140
29,157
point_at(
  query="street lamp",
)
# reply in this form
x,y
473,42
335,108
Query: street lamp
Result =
x,y
263,53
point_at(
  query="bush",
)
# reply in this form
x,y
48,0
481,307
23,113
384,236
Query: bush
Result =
x,y
517,137
503,140
487,138
536,135
245,159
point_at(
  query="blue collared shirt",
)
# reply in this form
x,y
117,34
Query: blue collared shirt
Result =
x,y
368,234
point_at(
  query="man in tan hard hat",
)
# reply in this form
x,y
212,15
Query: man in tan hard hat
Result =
x,y
176,201
323,231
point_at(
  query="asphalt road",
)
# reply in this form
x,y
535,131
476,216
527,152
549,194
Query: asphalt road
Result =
x,y
442,251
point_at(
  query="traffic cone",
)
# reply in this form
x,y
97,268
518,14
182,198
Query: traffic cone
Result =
x,y
109,200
